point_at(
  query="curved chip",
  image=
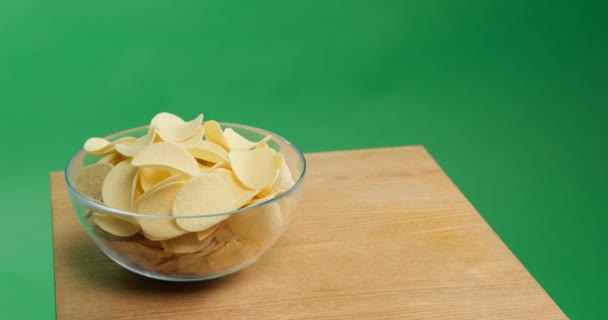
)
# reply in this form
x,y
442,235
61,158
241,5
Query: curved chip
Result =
x,y
140,255
95,144
119,227
237,142
256,168
193,263
117,189
241,193
101,147
259,224
166,155
132,149
263,199
230,255
149,177
213,133
187,243
284,179
203,194
89,181
194,140
113,158
224,234
203,234
209,151
269,190
159,202
179,177
172,128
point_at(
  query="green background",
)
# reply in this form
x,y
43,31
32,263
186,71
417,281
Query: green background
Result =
x,y
510,97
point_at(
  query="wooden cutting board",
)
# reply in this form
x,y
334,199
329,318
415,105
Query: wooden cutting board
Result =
x,y
380,234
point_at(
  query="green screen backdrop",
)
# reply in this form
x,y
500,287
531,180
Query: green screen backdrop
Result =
x,y
510,97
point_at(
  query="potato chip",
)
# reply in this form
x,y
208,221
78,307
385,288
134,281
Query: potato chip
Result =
x,y
179,177
263,199
140,255
194,140
284,179
203,194
230,255
209,151
203,234
117,189
254,168
149,177
213,133
166,155
112,158
149,243
172,128
213,245
131,149
117,226
89,181
241,193
237,142
188,243
152,238
168,267
259,224
195,263
95,144
101,147
269,189
159,202
224,234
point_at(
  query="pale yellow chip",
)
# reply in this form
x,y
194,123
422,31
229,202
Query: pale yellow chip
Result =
x,y
194,140
112,158
89,181
118,186
188,243
95,144
230,255
159,202
149,177
170,266
209,151
284,179
256,168
203,234
241,193
263,199
237,142
131,149
224,234
195,263
152,238
213,133
166,155
269,189
140,255
203,194
179,177
261,224
119,227
172,128
101,147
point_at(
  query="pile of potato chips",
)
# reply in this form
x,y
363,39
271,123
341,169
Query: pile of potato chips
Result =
x,y
180,174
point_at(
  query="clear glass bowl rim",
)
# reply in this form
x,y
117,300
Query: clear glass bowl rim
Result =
x,y
92,205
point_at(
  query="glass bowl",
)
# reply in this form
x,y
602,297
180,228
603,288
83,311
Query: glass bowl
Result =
x,y
187,259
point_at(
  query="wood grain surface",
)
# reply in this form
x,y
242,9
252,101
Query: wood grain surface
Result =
x,y
379,234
